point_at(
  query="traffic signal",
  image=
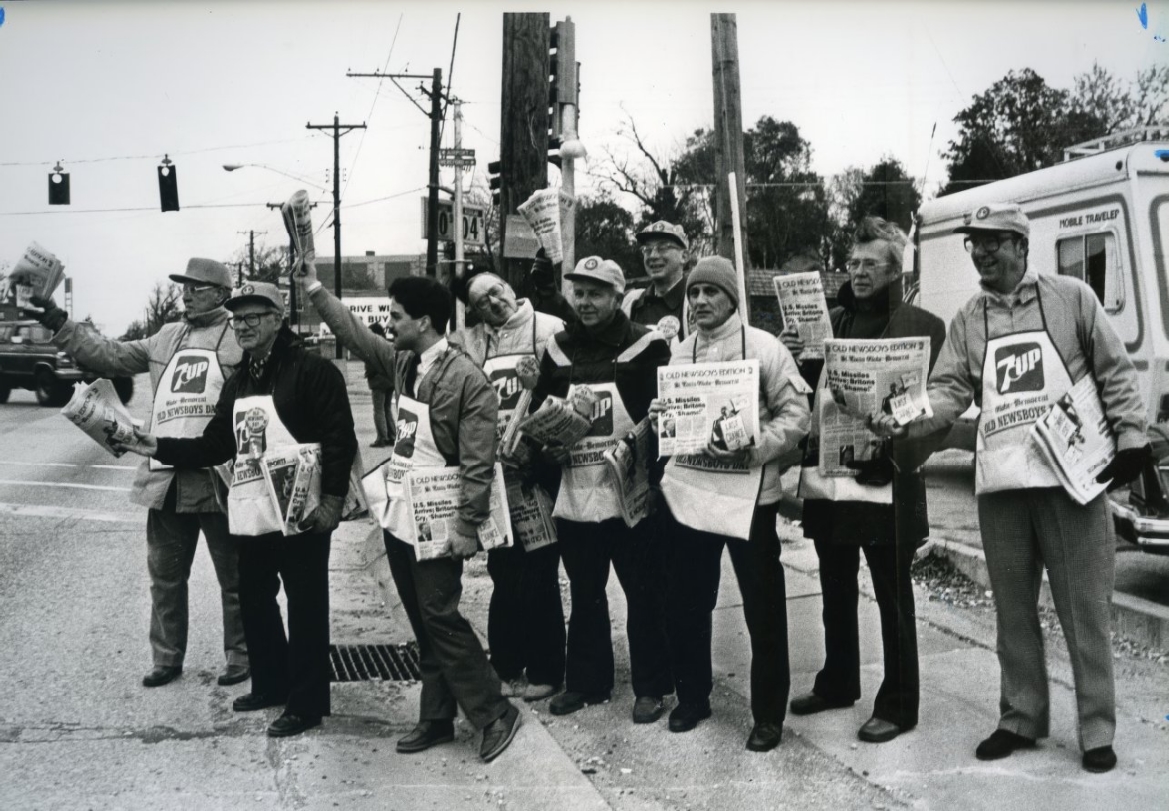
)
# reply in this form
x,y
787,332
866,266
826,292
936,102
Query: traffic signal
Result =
x,y
495,178
562,85
168,185
59,186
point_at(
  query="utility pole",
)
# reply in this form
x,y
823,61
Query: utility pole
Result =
x,y
460,268
728,132
336,128
436,115
251,251
523,151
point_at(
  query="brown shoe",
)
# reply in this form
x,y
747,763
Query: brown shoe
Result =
x,y
499,734
426,735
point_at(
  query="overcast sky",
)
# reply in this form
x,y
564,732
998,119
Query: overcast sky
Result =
x,y
109,87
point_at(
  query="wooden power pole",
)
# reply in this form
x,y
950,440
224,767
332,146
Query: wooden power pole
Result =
x,y
728,131
524,124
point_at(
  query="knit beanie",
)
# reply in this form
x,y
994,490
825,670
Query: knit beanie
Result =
x,y
718,271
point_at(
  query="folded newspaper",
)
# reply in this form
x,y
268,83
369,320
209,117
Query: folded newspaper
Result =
x,y
805,310
545,212
434,494
97,410
297,213
628,463
36,273
530,511
708,403
562,421
1076,440
859,378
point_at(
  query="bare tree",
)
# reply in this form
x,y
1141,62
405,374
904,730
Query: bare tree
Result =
x,y
161,308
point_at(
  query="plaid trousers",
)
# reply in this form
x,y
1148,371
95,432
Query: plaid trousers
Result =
x,y
1022,532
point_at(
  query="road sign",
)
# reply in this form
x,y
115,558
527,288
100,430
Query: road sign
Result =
x,y
474,222
463,158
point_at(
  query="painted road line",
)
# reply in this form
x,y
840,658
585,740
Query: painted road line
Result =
x,y
36,511
69,464
64,484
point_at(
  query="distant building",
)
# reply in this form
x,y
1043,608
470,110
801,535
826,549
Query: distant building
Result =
x,y
367,276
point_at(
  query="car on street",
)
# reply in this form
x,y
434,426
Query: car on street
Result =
x,y
29,360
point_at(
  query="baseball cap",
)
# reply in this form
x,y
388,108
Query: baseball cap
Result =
x,y
256,293
661,228
996,217
596,269
204,271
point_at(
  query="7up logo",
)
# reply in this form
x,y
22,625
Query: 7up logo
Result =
x,y
1018,367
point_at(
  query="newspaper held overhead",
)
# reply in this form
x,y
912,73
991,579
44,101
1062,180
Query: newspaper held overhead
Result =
x,y
859,378
36,273
97,410
544,212
293,476
805,310
708,403
297,213
628,463
434,494
1076,440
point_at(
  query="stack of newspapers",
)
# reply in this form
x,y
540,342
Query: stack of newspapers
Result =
x,y
1076,440
97,410
293,476
36,273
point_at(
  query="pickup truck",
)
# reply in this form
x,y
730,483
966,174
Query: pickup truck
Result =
x,y
29,360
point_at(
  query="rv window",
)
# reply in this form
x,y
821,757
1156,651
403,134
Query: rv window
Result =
x,y
1093,259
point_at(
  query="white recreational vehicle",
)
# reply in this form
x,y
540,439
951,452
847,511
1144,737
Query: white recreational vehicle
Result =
x,y
1102,216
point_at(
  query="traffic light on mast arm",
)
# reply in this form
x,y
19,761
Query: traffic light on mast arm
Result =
x,y
562,80
494,179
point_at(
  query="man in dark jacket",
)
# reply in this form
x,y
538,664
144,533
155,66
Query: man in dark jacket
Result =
x,y
381,386
887,527
282,396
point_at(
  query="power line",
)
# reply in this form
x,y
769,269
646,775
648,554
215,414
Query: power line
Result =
x,y
149,157
369,115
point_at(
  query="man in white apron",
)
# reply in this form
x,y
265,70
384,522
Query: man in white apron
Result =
x,y
188,362
282,396
662,305
1014,349
730,498
617,360
525,620
446,413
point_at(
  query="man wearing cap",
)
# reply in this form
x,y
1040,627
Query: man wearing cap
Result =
x,y
282,396
188,362
1014,349
882,510
525,620
616,360
446,415
729,497
662,305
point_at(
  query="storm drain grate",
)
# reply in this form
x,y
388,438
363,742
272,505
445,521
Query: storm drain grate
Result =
x,y
374,662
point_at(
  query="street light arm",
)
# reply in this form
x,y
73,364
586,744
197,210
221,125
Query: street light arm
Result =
x,y
231,167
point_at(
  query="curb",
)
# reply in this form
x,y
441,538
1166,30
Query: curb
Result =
x,y
1135,618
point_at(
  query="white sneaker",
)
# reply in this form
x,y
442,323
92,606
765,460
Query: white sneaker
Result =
x,y
535,692
513,688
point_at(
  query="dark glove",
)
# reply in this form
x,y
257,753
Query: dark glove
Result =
x,y
1127,465
53,317
875,472
326,516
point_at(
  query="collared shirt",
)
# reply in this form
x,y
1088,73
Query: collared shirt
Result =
x,y
649,308
428,358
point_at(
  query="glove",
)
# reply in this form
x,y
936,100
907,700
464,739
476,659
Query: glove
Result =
x,y
463,546
53,317
1127,465
326,516
875,472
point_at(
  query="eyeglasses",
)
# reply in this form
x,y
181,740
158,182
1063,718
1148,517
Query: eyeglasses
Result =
x,y
658,247
189,287
989,244
251,320
853,265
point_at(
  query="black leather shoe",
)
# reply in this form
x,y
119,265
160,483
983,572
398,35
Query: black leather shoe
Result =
x,y
764,737
249,702
812,703
1001,743
1099,760
878,730
686,716
570,702
426,735
234,675
162,675
289,724
647,709
498,734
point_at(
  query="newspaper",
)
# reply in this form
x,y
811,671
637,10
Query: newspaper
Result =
x,y
628,462
36,273
1076,440
708,403
97,410
434,494
528,372
559,420
298,222
293,476
805,310
530,511
544,211
859,378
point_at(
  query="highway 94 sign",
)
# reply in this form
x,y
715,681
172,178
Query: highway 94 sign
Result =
x,y
474,222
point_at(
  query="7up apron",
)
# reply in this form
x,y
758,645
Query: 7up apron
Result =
x,y
587,493
415,447
257,428
1022,375
187,392
501,371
